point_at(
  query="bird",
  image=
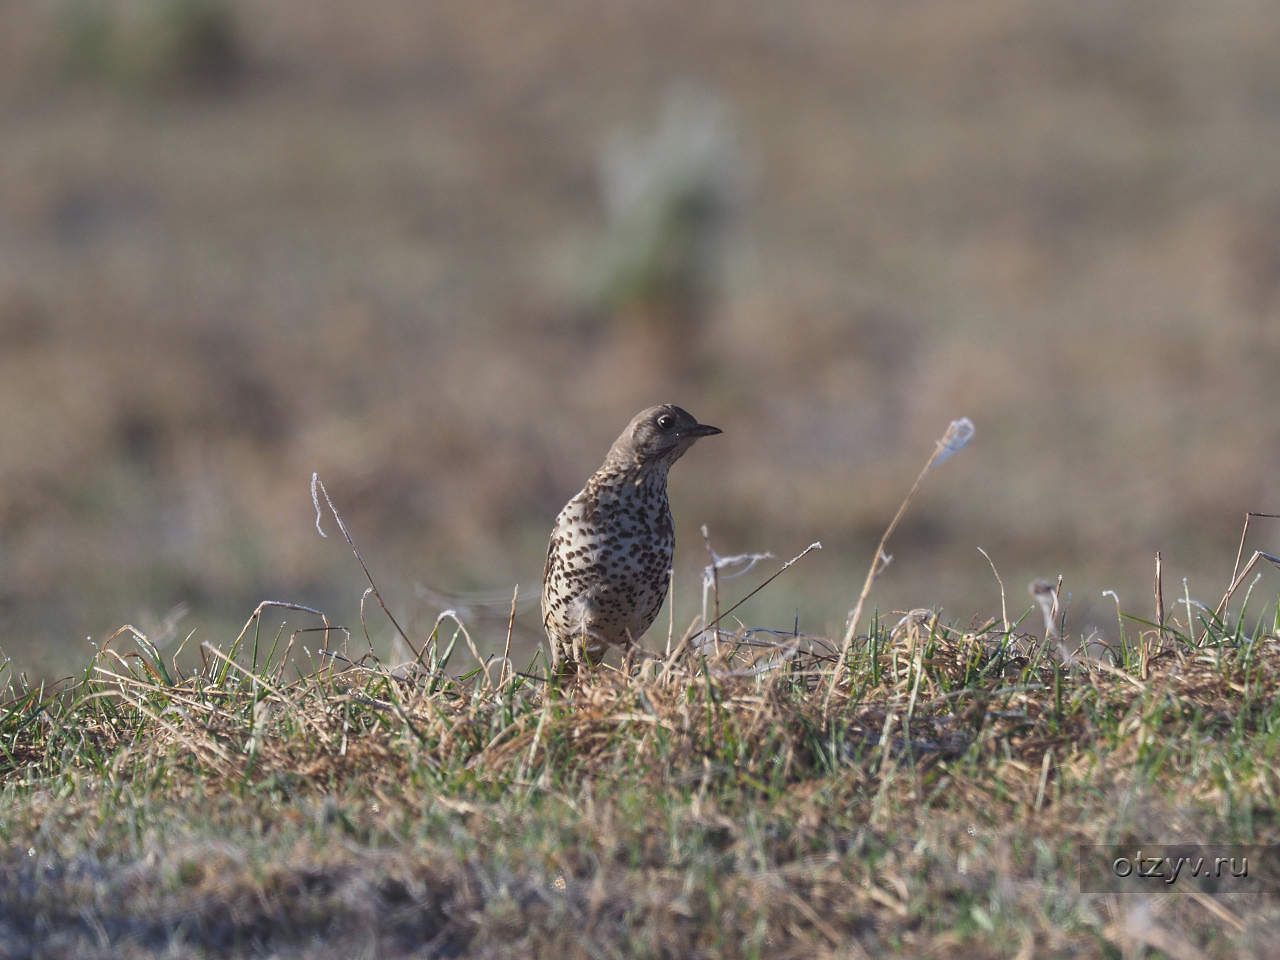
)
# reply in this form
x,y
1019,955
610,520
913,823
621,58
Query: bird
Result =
x,y
609,559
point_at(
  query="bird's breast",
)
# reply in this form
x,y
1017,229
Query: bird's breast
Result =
x,y
611,528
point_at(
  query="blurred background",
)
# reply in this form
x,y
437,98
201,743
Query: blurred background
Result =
x,y
440,253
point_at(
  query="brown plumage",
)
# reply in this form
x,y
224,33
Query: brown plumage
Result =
x,y
609,560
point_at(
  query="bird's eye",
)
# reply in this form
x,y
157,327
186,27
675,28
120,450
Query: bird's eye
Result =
x,y
666,421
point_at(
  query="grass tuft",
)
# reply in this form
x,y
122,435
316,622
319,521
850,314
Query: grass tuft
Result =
x,y
706,803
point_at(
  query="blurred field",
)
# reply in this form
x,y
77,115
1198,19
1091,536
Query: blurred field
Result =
x,y
243,242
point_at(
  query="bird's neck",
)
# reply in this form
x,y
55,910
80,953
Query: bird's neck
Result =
x,y
619,476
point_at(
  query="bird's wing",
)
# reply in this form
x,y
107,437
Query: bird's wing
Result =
x,y
546,576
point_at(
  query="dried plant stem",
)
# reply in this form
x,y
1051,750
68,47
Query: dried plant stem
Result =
x,y
1238,575
1159,639
280,605
1004,607
957,436
466,635
715,583
317,483
691,633
1239,579
506,649
671,608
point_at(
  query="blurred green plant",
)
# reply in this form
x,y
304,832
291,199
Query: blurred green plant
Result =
x,y
86,37
153,45
667,197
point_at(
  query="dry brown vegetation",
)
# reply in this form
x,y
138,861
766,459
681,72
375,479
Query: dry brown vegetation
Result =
x,y
733,798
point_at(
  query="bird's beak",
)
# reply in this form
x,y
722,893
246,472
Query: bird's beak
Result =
x,y
701,430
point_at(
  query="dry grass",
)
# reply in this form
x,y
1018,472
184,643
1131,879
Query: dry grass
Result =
x,y
703,804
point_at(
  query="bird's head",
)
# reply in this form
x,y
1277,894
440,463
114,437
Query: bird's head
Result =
x,y
655,439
